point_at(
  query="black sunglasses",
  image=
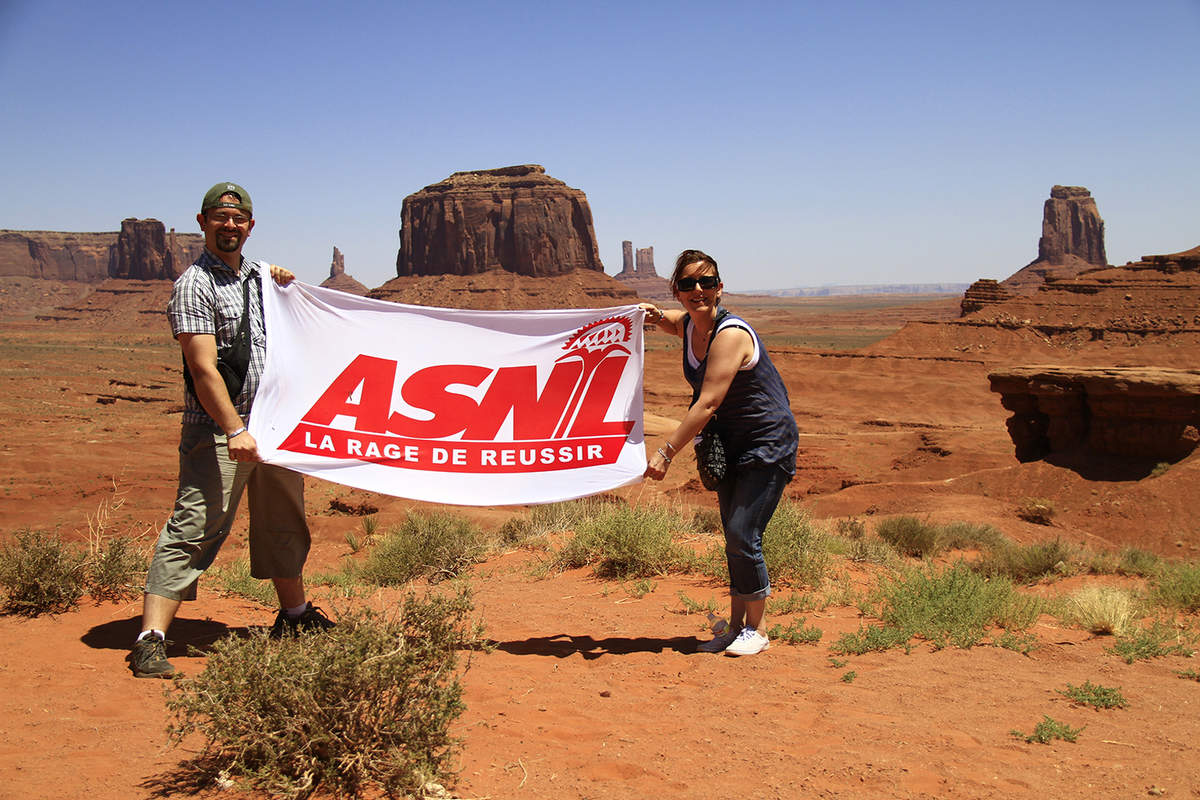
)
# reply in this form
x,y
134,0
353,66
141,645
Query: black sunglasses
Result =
x,y
705,281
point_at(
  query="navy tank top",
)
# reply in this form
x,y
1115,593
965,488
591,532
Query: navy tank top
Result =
x,y
755,419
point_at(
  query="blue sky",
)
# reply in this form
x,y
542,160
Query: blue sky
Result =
x,y
801,144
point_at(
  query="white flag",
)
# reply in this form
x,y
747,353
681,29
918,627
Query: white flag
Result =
x,y
450,405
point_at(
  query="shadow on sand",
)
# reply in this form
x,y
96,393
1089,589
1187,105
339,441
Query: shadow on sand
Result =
x,y
562,645
186,635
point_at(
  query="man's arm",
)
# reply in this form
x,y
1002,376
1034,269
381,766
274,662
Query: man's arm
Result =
x,y
200,352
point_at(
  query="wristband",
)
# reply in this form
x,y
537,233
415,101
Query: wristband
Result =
x,y
238,432
663,453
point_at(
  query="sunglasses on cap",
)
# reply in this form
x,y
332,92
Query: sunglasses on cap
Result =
x,y
705,281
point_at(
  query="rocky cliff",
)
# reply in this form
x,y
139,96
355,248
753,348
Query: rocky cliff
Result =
x,y
141,250
1145,414
517,219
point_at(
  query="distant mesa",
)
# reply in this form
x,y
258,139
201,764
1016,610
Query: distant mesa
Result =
x,y
338,279
511,237
517,219
142,250
638,273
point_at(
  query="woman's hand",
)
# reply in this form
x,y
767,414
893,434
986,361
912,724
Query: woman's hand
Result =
x,y
656,467
654,314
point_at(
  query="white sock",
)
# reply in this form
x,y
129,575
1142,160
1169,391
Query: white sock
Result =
x,y
161,634
295,613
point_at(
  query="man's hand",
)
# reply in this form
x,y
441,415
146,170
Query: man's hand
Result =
x,y
243,447
281,275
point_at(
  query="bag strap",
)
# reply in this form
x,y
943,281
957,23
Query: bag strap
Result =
x,y
721,314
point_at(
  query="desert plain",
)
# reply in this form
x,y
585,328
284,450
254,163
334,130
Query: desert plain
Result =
x,y
593,691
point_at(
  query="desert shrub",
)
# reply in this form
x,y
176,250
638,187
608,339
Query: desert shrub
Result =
x,y
964,535
954,605
1027,563
1178,587
1100,609
1037,510
41,574
567,515
1048,730
355,541
434,546
114,569
1146,643
367,703
870,550
1160,469
625,542
234,578
869,639
796,550
795,632
1134,561
911,536
1096,696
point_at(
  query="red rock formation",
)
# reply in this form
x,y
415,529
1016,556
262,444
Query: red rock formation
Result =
x,y
983,292
517,219
52,255
338,279
500,289
141,250
1147,414
144,251
1072,240
627,267
645,262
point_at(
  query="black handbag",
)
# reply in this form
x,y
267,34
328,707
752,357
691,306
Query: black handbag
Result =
x,y
711,462
233,362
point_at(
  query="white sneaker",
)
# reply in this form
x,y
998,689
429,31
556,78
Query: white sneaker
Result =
x,y
747,643
719,642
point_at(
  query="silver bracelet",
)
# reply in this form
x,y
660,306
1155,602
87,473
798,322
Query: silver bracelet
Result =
x,y
238,432
663,453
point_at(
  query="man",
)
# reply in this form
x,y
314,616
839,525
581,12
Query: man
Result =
x,y
218,458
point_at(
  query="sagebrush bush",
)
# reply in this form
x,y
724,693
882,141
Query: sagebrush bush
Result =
x,y
910,536
41,574
625,542
566,516
435,546
1178,587
964,535
954,605
366,703
1101,609
795,550
1028,563
1160,639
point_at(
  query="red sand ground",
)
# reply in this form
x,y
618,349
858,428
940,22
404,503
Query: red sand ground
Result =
x,y
593,693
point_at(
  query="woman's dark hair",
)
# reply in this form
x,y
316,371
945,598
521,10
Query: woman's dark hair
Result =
x,y
691,257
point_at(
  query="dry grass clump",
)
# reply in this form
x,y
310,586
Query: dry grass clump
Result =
x,y
1101,610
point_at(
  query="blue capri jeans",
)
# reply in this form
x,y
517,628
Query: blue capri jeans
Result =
x,y
748,497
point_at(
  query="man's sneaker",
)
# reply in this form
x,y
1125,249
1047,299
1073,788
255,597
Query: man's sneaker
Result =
x,y
719,642
148,659
311,620
747,643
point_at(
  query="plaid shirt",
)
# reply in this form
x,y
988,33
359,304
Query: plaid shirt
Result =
x,y
207,298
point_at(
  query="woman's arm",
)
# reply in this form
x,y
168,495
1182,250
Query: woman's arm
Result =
x,y
729,350
668,321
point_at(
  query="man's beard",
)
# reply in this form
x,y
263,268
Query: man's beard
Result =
x,y
228,243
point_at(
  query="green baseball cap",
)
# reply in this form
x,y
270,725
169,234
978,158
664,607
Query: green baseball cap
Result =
x,y
213,198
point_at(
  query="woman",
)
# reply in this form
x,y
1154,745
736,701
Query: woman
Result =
x,y
740,388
